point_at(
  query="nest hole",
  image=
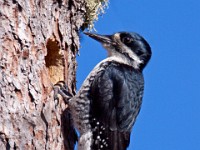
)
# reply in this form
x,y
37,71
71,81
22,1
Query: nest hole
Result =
x,y
54,61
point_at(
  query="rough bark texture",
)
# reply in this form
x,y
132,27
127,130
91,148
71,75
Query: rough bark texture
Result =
x,y
38,44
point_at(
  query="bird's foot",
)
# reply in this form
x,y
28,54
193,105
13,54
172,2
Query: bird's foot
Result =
x,y
62,89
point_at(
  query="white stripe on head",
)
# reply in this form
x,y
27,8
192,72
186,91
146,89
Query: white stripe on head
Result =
x,y
126,50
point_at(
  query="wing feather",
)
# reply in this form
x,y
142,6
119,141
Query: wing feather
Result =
x,y
116,102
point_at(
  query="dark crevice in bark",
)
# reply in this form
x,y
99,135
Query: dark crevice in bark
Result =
x,y
1,94
32,142
73,48
74,87
59,33
70,4
15,146
7,144
33,132
16,37
42,31
29,25
4,140
46,123
31,96
18,5
59,3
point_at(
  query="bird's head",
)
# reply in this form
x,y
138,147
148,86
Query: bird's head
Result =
x,y
130,47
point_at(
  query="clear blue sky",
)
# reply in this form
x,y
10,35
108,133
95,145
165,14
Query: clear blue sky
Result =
x,y
170,115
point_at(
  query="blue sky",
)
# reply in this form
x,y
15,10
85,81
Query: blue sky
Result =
x,y
170,115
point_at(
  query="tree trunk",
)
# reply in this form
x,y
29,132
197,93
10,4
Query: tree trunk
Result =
x,y
38,44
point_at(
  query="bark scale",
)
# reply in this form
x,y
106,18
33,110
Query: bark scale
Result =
x,y
38,45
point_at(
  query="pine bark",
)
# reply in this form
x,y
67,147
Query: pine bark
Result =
x,y
38,44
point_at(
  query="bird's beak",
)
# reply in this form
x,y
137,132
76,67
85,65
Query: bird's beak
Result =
x,y
104,39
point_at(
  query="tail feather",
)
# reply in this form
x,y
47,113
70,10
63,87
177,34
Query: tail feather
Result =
x,y
119,140
69,132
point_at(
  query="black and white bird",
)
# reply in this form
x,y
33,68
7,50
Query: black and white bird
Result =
x,y
106,107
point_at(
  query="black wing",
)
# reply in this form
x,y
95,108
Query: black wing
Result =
x,y
116,101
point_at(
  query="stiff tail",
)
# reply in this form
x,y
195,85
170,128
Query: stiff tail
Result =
x,y
69,132
119,140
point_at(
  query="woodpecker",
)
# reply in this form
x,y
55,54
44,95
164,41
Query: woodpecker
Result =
x,y
106,107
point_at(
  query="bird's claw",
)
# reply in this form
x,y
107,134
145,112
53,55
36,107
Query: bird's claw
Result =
x,y
62,89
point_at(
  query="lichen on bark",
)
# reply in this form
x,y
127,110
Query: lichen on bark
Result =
x,y
93,9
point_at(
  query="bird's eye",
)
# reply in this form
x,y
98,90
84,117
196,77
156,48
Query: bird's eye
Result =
x,y
127,40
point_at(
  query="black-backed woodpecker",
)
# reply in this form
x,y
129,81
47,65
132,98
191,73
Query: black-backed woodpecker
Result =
x,y
106,107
